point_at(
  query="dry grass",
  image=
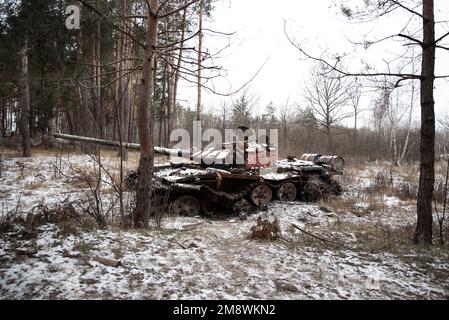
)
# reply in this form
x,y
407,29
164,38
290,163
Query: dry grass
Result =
x,y
377,237
85,177
379,183
341,205
10,144
36,186
363,236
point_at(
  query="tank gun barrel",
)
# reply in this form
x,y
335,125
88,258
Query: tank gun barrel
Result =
x,y
129,146
239,155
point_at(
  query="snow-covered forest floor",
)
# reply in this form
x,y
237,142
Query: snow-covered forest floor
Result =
x,y
367,252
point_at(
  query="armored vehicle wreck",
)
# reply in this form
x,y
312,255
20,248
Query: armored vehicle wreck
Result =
x,y
234,178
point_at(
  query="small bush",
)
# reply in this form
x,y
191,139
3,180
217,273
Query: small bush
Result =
x,y
265,230
406,191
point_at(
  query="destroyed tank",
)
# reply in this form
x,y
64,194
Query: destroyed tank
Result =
x,y
233,177
214,181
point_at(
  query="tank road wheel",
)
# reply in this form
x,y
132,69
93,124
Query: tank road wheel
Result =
x,y
186,206
242,208
287,192
311,192
261,195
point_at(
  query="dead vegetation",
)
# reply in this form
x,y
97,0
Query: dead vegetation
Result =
x,y
64,215
265,230
375,191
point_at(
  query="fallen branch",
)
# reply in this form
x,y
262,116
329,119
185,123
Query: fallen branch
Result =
x,y
109,262
319,238
26,252
193,226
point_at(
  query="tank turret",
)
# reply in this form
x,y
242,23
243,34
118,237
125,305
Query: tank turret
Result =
x,y
241,154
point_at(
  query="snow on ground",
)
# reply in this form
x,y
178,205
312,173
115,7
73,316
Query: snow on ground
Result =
x,y
213,261
48,180
193,258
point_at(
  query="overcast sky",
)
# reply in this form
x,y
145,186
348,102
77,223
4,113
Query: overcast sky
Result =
x,y
259,35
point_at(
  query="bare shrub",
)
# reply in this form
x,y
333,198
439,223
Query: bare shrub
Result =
x,y
265,230
161,207
381,184
406,191
21,166
64,215
440,191
104,197
348,178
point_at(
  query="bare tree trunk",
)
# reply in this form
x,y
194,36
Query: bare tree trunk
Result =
x,y
85,122
354,135
70,122
123,85
25,104
96,80
409,125
394,142
168,112
354,97
131,120
120,120
163,103
85,117
146,123
172,105
4,116
423,234
200,57
330,144
170,83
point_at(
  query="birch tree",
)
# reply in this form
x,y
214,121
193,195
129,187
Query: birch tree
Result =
x,y
355,95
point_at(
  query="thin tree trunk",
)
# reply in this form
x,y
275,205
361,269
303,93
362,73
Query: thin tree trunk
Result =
x,y
423,234
4,116
172,106
200,55
355,133
394,142
96,80
329,140
409,125
84,118
146,123
163,103
131,121
123,53
171,82
25,104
